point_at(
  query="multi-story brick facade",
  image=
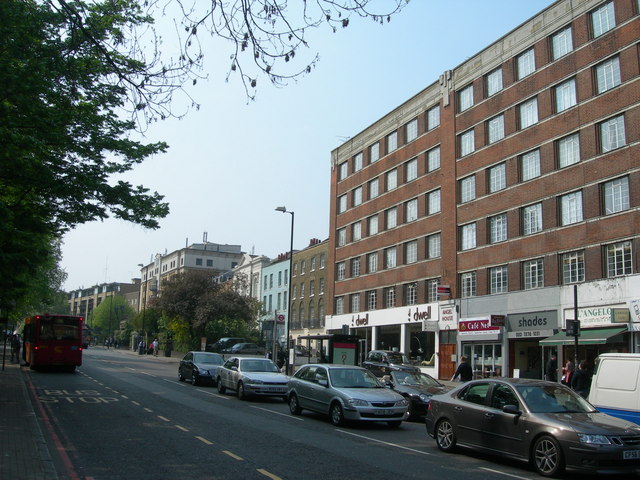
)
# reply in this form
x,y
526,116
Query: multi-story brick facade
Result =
x,y
509,180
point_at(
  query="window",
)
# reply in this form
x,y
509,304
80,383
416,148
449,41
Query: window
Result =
x,y
198,261
209,263
603,19
565,94
532,219
498,228
389,297
411,252
303,267
465,98
612,134
374,152
467,143
533,271
434,246
411,170
412,130
494,82
618,259
355,302
608,75
573,267
357,162
496,128
411,210
468,284
530,165
355,267
433,159
357,196
571,208
321,286
561,43
313,263
374,189
499,279
497,178
526,63
469,236
341,269
372,262
391,218
433,117
392,180
528,113
271,280
433,202
322,260
568,150
343,170
390,257
372,299
312,288
342,203
356,231
432,289
410,293
339,305
302,290
373,225
392,142
468,189
616,195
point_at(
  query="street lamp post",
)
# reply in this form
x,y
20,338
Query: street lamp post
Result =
x,y
284,210
144,308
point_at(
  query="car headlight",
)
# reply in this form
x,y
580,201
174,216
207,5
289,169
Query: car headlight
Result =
x,y
202,371
254,382
425,398
402,403
356,402
594,439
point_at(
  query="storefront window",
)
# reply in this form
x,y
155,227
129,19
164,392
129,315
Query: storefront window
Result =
x,y
486,358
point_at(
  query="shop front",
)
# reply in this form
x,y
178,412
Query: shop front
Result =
x,y
481,342
524,333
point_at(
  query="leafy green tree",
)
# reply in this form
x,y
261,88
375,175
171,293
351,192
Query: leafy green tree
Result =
x,y
106,317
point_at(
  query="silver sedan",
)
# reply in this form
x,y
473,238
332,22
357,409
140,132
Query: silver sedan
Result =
x,y
252,376
344,393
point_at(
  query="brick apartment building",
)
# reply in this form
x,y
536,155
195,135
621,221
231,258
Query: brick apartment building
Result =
x,y
461,221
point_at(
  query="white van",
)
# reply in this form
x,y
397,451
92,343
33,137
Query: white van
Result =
x,y
615,387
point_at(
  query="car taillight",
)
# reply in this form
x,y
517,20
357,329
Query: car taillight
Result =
x,y
429,406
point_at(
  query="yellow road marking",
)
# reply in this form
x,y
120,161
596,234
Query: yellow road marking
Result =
x,y
232,455
268,474
182,428
204,440
163,418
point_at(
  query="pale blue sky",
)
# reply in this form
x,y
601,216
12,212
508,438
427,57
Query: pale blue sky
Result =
x,y
231,163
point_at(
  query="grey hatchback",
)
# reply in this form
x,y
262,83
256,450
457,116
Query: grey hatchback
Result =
x,y
344,393
544,423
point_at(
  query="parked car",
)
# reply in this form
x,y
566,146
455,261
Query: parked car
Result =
x,y
380,361
544,423
416,387
224,344
247,349
344,393
252,376
199,367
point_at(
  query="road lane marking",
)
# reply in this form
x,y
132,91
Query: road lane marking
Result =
x,y
204,440
232,455
278,413
165,419
268,474
125,397
226,397
148,410
503,473
384,443
148,374
179,427
135,403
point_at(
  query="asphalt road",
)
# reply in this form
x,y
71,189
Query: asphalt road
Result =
x,y
128,417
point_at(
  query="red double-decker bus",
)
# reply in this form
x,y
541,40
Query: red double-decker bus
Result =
x,y
53,340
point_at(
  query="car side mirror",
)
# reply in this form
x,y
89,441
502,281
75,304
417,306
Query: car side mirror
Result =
x,y
512,410
235,369
323,382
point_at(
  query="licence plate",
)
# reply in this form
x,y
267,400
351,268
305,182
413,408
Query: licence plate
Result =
x,y
383,411
631,455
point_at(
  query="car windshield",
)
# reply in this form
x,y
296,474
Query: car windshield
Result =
x,y
258,366
553,399
353,378
397,358
409,378
207,358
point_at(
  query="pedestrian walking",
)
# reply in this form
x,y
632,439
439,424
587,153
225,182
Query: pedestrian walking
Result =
x,y
551,369
155,345
464,370
16,344
581,381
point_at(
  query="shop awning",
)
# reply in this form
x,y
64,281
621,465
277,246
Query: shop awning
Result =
x,y
591,336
